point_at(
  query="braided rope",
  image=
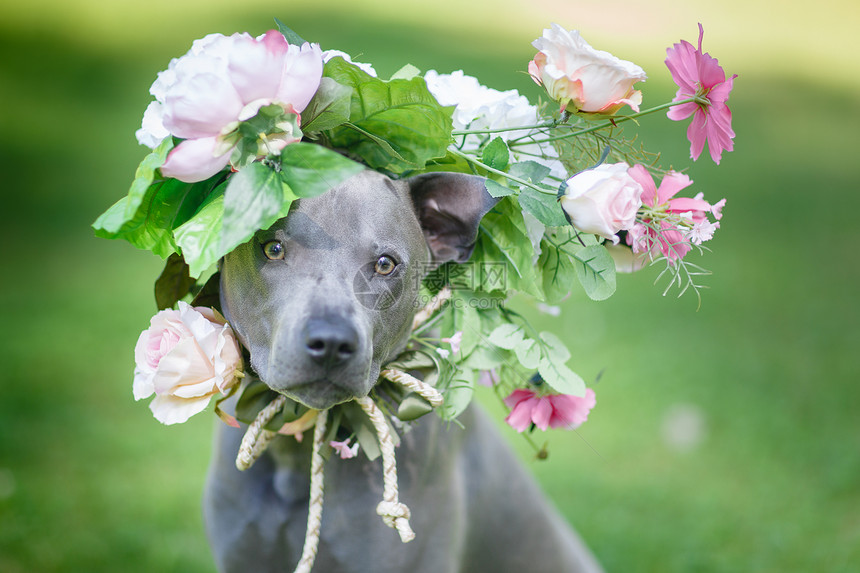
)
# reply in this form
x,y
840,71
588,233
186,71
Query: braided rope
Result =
x,y
420,387
257,438
315,506
394,513
435,304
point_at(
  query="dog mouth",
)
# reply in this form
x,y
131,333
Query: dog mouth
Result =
x,y
319,394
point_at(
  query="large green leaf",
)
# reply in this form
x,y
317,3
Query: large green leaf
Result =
x,y
166,205
400,112
503,238
110,222
254,199
544,206
557,272
329,107
200,237
311,169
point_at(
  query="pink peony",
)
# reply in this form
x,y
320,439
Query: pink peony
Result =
x,y
700,75
344,450
185,357
549,410
683,220
222,81
602,200
581,78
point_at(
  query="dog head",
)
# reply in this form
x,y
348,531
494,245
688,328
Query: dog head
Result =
x,y
326,295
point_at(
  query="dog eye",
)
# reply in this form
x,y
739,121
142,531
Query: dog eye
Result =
x,y
385,265
274,250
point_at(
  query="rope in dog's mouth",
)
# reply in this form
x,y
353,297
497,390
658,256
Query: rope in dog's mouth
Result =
x,y
394,513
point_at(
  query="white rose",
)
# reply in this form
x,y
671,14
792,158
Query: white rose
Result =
x,y
581,78
603,200
185,357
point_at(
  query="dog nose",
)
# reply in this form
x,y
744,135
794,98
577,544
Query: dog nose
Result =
x,y
330,343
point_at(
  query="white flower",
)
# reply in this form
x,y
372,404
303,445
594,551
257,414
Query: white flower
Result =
x,y
366,68
702,231
581,78
479,107
603,200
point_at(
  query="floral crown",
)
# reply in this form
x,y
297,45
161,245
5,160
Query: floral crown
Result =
x,y
242,126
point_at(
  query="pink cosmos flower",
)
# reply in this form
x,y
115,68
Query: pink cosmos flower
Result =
x,y
185,357
344,450
223,80
700,75
682,220
549,410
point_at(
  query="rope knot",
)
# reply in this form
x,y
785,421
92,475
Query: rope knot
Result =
x,y
396,515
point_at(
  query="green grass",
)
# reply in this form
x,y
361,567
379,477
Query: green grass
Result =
x,y
90,482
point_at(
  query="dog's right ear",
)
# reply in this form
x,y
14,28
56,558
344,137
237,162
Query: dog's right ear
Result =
x,y
450,207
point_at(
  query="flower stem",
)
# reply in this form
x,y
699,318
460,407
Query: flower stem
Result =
x,y
621,119
479,163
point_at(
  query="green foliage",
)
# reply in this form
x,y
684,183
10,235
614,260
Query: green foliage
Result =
x,y
394,126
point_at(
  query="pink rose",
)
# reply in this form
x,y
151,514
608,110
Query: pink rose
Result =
x,y
581,78
549,410
185,357
222,81
603,200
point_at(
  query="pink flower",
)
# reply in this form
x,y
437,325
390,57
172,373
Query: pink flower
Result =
x,y
203,96
681,220
581,78
185,357
455,341
602,200
699,75
549,410
344,450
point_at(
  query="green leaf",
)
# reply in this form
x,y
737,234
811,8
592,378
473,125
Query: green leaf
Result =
x,y
412,407
503,238
543,206
200,237
310,170
558,273
125,210
401,113
528,353
596,271
496,154
407,72
254,199
458,395
329,107
507,336
166,205
561,378
291,36
556,349
173,283
530,171
497,189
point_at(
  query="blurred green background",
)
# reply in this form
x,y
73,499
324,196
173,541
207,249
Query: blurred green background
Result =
x,y
725,439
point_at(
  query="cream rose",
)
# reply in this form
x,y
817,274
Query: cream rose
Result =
x,y
581,78
185,357
603,200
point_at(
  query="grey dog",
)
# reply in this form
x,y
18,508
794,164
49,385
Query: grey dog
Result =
x,y
289,295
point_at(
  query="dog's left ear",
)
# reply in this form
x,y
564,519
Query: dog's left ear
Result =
x,y
450,207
